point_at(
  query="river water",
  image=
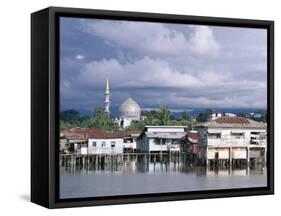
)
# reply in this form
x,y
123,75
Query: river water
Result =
x,y
134,176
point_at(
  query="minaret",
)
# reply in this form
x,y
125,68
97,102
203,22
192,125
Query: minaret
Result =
x,y
106,102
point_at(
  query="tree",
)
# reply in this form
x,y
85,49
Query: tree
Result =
x,y
202,117
174,122
65,125
184,116
150,116
86,122
136,125
102,120
70,116
164,115
156,122
242,114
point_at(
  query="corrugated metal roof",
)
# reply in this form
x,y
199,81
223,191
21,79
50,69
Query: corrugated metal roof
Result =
x,y
170,135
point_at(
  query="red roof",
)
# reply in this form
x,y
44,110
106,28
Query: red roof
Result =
x,y
79,133
232,120
86,133
191,136
134,132
106,135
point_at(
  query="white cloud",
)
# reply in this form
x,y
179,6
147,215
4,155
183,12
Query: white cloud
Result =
x,y
155,38
79,57
146,72
203,41
169,86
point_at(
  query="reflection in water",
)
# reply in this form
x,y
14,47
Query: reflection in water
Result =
x,y
143,163
139,174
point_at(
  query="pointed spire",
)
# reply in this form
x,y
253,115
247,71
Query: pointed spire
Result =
x,y
107,97
107,85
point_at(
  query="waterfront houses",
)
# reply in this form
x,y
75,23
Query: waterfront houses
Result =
x,y
105,143
223,140
130,141
189,145
160,139
232,140
94,141
75,140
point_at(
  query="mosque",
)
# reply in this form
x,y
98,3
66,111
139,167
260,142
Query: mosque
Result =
x,y
129,110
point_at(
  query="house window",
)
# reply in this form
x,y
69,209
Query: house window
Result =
x,y
237,135
257,137
94,144
113,144
214,135
103,144
159,141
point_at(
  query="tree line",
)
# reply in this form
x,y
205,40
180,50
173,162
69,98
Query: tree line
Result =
x,y
162,116
101,120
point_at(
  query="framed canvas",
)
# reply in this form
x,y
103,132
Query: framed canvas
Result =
x,y
138,107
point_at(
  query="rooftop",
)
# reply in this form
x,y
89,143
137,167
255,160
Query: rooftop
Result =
x,y
166,135
87,133
165,126
192,136
230,122
107,135
134,132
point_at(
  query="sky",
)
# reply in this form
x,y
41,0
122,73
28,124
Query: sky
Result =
x,y
181,66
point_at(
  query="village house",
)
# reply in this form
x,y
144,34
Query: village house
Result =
x,y
160,139
75,140
232,140
130,141
94,141
189,145
105,143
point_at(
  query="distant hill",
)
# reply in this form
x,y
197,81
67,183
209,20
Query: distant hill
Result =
x,y
191,111
196,111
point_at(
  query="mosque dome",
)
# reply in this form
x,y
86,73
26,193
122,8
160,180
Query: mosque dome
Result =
x,y
130,109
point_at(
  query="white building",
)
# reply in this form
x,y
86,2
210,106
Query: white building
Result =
x,y
110,143
215,115
230,115
129,111
160,138
231,138
130,141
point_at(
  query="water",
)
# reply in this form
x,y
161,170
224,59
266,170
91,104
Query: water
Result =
x,y
139,176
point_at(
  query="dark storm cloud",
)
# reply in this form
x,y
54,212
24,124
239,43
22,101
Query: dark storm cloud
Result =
x,y
182,66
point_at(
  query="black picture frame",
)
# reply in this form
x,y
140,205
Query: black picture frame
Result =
x,y
45,106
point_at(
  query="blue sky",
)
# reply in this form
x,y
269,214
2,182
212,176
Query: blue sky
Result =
x,y
182,66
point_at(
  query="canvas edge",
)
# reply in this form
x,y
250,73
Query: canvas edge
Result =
x,y
54,11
